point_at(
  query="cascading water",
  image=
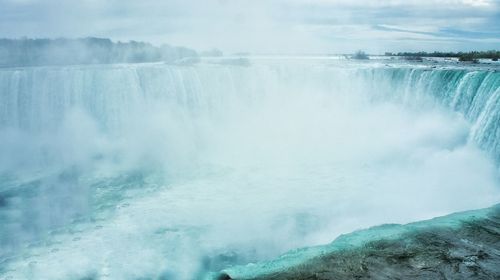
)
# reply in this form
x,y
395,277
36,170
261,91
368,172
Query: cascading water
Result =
x,y
153,170
473,93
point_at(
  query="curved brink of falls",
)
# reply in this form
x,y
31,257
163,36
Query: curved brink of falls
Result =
x,y
35,98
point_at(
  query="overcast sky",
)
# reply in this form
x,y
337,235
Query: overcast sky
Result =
x,y
263,26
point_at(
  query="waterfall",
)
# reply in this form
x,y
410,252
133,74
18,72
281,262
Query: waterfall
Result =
x,y
37,98
473,93
179,170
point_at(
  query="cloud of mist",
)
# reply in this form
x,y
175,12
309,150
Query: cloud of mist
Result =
x,y
259,159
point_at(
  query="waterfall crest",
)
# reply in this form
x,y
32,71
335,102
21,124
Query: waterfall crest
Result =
x,y
38,98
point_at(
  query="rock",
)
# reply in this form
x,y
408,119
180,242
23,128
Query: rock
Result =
x,y
459,246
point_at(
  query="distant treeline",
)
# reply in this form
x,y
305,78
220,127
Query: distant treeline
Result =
x,y
32,52
463,56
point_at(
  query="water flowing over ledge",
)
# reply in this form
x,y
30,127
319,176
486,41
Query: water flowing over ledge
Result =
x,y
37,98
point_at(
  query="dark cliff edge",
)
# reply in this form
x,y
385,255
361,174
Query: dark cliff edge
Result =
x,y
459,246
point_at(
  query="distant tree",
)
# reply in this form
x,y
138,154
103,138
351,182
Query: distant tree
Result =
x,y
212,52
32,52
472,56
360,55
468,57
414,58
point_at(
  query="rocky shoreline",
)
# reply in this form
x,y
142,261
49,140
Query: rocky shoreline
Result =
x,y
459,246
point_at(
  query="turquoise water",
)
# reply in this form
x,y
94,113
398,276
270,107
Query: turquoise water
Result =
x,y
155,170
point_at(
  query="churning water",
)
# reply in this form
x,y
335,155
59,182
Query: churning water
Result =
x,y
169,172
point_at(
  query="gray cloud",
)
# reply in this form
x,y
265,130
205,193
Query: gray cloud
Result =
x,y
264,26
